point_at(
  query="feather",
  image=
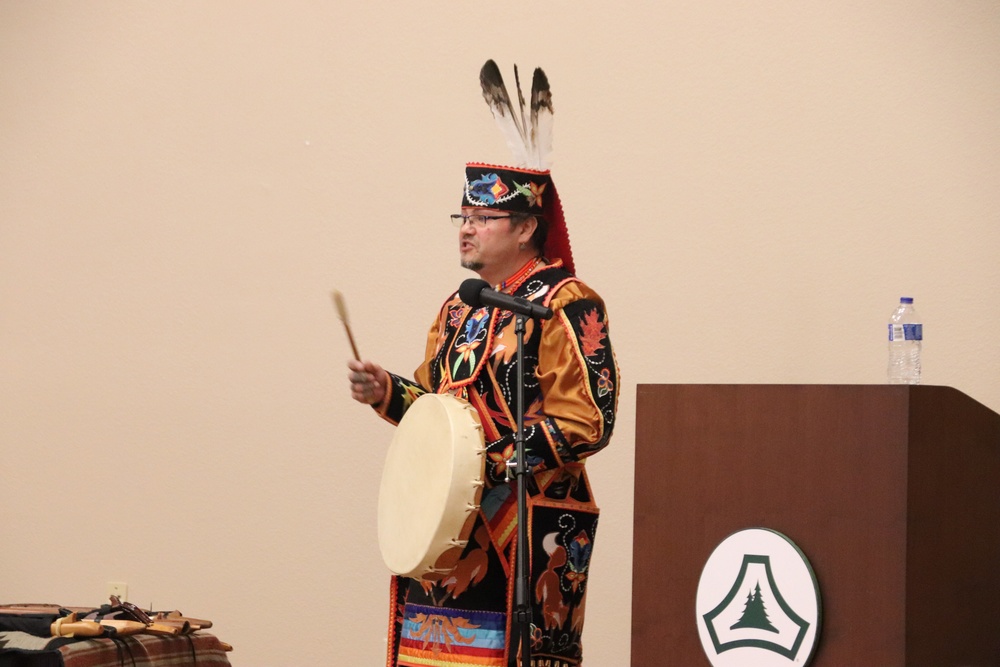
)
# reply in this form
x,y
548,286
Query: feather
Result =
x,y
527,129
495,94
524,117
540,138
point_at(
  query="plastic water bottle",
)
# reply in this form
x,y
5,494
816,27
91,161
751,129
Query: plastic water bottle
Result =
x,y
905,336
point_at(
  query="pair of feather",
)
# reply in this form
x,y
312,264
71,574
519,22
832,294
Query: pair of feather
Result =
x,y
527,130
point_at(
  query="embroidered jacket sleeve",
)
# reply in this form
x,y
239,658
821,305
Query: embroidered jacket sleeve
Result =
x,y
401,391
578,377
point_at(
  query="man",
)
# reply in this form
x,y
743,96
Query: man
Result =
x,y
512,233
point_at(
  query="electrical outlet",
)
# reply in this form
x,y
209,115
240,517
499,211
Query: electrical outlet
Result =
x,y
119,588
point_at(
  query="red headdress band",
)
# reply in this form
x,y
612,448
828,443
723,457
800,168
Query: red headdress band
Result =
x,y
557,243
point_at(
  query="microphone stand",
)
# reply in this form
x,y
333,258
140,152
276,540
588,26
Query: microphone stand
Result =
x,y
477,293
522,609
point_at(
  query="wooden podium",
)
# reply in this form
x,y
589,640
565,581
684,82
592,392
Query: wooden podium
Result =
x,y
891,492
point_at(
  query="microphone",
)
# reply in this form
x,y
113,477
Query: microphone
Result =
x,y
476,293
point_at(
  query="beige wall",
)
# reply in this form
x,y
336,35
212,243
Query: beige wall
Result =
x,y
751,185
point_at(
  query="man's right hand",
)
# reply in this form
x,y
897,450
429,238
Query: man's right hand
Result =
x,y
369,382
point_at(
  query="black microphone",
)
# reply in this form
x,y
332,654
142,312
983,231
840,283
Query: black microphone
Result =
x,y
476,293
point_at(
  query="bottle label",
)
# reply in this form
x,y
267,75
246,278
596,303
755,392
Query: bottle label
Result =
x,y
906,332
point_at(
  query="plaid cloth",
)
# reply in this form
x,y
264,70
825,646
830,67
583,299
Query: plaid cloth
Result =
x,y
141,650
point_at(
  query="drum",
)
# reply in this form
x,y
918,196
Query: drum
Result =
x,y
431,485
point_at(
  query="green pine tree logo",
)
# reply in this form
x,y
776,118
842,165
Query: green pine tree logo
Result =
x,y
754,615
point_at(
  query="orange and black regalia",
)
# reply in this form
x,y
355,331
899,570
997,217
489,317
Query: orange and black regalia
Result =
x,y
571,394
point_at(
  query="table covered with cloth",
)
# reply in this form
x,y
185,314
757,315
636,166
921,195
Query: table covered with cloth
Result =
x,y
20,649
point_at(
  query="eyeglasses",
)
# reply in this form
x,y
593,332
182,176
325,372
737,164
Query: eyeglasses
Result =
x,y
477,219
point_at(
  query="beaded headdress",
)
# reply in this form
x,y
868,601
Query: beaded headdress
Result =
x,y
526,187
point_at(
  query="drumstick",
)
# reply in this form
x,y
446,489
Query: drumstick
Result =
x,y
338,302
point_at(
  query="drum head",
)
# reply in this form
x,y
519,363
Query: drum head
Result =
x,y
432,474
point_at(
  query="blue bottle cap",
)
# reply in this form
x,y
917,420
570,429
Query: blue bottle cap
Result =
x,y
906,299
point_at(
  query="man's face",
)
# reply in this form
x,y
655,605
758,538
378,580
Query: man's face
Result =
x,y
492,245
